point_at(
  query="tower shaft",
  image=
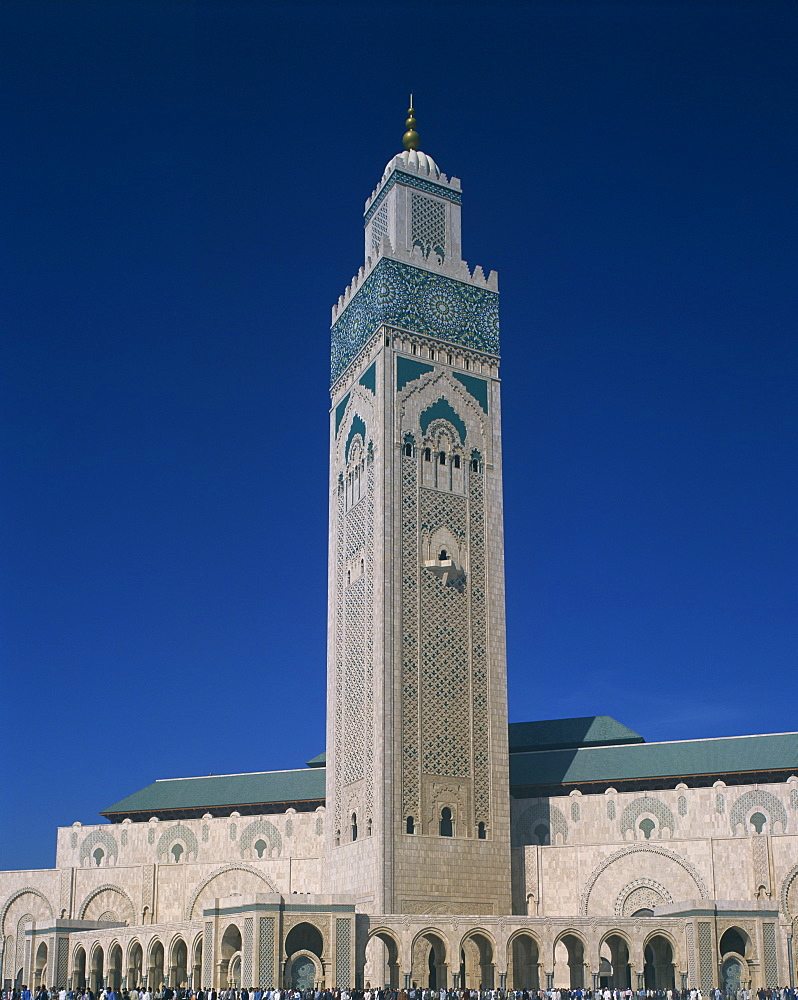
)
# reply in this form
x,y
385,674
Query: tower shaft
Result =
x,y
417,773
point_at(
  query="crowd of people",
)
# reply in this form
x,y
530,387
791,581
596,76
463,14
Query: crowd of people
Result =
x,y
165,993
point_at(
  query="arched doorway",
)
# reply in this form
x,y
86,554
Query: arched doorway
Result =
x,y
305,971
178,964
79,969
155,978
429,965
382,961
658,971
302,944
615,971
569,962
230,963
115,967
731,974
40,968
97,969
476,962
735,949
524,963
135,965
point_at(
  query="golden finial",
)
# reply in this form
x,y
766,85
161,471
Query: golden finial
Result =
x,y
410,138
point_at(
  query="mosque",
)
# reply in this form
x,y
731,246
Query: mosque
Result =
x,y
433,844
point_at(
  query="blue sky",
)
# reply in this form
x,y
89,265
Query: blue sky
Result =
x,y
183,188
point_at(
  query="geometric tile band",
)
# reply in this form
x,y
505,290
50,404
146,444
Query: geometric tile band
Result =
x,y
418,301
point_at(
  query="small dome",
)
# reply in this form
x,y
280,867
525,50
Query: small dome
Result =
x,y
415,160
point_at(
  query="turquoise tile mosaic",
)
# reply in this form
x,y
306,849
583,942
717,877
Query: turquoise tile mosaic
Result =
x,y
369,378
358,427
408,370
478,388
419,301
340,409
442,409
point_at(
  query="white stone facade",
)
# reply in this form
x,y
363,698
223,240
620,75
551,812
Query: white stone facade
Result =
x,y
422,867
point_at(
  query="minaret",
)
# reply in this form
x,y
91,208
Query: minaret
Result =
x,y
417,767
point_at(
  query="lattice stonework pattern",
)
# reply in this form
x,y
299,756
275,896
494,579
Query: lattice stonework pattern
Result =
x,y
479,651
343,963
63,954
266,953
705,954
428,224
412,180
769,949
246,965
444,675
340,572
358,687
420,301
411,782
207,954
691,976
379,225
759,850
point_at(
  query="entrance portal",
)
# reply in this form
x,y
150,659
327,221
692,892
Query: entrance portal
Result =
x,y
303,973
731,974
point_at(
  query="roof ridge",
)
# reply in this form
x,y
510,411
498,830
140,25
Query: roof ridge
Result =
x,y
659,743
238,774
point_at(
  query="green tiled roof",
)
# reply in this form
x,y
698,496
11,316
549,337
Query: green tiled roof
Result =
x,y
728,755
556,734
263,787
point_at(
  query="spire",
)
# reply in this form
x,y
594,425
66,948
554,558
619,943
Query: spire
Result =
x,y
410,139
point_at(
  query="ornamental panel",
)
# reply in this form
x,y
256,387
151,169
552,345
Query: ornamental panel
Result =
x,y
705,961
444,638
419,301
343,962
411,786
428,225
246,965
266,953
769,949
757,798
411,180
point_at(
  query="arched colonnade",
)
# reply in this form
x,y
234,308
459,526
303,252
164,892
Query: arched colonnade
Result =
x,y
152,961
524,957
307,950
